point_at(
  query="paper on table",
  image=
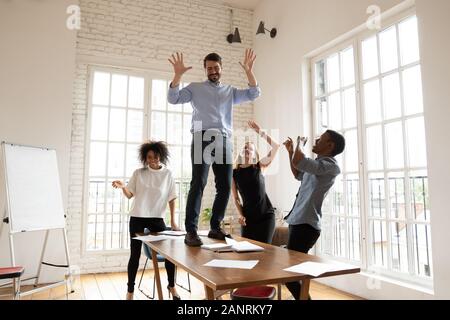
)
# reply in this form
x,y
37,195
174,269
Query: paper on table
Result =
x,y
237,264
336,266
312,268
151,238
315,269
217,247
230,241
173,233
243,246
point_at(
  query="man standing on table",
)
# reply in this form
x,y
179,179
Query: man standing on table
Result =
x,y
212,125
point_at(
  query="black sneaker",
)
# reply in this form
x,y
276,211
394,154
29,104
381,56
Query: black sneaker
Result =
x,y
192,239
218,234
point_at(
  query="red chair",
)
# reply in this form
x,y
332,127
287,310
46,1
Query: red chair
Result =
x,y
254,293
13,273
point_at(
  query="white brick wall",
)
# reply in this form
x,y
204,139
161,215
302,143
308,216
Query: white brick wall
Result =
x,y
144,33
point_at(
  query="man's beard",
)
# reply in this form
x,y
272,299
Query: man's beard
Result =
x,y
214,77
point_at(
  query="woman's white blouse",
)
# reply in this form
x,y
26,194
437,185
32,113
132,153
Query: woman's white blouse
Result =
x,y
152,190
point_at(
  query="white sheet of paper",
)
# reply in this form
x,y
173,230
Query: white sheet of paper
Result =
x,y
315,269
230,241
216,247
312,268
237,264
243,246
151,238
173,233
335,266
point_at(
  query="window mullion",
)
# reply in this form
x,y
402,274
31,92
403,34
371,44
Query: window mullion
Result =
x,y
315,118
167,118
125,152
384,144
105,181
327,96
387,210
407,189
86,182
181,200
346,217
363,203
147,107
344,158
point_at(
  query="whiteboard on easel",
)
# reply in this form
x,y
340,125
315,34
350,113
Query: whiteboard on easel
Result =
x,y
33,188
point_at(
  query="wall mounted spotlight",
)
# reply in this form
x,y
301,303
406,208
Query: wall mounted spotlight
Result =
x,y
262,30
233,37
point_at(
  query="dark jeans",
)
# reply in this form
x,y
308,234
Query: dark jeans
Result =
x,y
261,230
302,237
137,225
218,153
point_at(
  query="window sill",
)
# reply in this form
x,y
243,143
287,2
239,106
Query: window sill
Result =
x,y
422,287
94,253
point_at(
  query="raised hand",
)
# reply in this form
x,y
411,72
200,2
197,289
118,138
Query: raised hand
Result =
x,y
298,153
289,144
117,184
299,142
253,125
304,140
249,60
178,64
242,220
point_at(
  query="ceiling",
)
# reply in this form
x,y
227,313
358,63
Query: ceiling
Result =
x,y
242,4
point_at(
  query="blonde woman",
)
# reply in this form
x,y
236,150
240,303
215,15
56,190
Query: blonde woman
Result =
x,y
256,213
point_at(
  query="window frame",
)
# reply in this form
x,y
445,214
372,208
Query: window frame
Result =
x,y
355,40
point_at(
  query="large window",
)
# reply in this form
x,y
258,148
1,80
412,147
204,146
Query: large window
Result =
x,y
377,213
121,117
172,123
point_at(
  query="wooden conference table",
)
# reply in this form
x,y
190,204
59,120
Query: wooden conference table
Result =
x,y
269,269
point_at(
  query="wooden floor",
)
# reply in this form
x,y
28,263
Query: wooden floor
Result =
x,y
112,286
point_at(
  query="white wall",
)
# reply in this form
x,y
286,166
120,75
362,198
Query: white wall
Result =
x,y
37,59
434,25
305,25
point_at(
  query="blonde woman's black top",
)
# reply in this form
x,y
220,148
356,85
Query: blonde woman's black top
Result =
x,y
251,186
